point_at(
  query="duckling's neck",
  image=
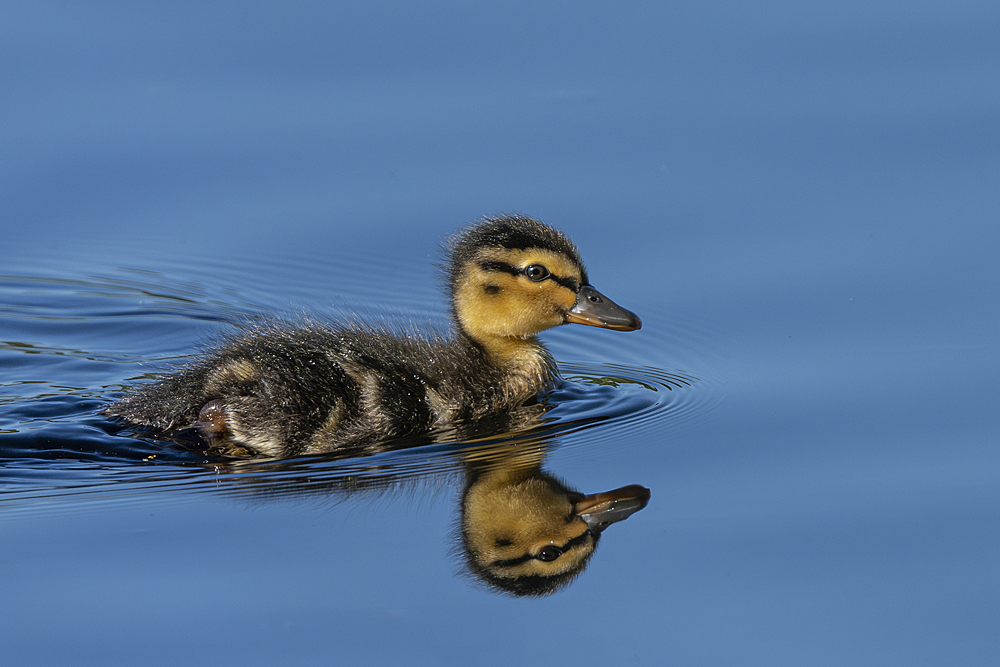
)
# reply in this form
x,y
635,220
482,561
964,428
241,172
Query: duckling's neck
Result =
x,y
525,362
510,351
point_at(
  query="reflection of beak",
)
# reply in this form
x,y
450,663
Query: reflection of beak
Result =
x,y
597,310
603,509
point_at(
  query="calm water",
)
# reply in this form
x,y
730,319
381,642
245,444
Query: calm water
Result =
x,y
800,201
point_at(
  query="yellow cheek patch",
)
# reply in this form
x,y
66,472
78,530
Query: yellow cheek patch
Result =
x,y
493,300
506,523
506,305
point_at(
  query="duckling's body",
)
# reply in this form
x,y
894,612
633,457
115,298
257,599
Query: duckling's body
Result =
x,y
283,389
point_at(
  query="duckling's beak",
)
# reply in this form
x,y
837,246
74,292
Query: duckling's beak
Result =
x,y
595,309
603,509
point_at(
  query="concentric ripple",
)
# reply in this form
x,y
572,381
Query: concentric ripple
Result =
x,y
631,398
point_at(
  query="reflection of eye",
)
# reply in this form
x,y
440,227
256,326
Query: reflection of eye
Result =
x,y
549,553
536,272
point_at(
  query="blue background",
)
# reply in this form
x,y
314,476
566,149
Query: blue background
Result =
x,y
800,199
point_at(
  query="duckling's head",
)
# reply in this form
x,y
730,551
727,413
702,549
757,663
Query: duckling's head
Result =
x,y
526,533
512,277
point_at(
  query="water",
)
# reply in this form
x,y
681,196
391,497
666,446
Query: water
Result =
x,y
799,201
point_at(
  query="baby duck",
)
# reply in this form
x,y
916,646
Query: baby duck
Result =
x,y
283,389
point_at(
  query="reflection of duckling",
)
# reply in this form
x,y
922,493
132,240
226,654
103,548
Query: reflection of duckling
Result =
x,y
525,533
284,389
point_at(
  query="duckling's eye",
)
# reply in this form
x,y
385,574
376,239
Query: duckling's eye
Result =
x,y
549,554
536,272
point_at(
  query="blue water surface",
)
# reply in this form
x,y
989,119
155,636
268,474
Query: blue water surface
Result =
x,y
801,200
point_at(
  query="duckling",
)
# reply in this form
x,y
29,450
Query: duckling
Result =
x,y
288,388
527,534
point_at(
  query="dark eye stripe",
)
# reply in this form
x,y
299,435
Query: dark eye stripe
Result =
x,y
573,543
502,267
571,284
